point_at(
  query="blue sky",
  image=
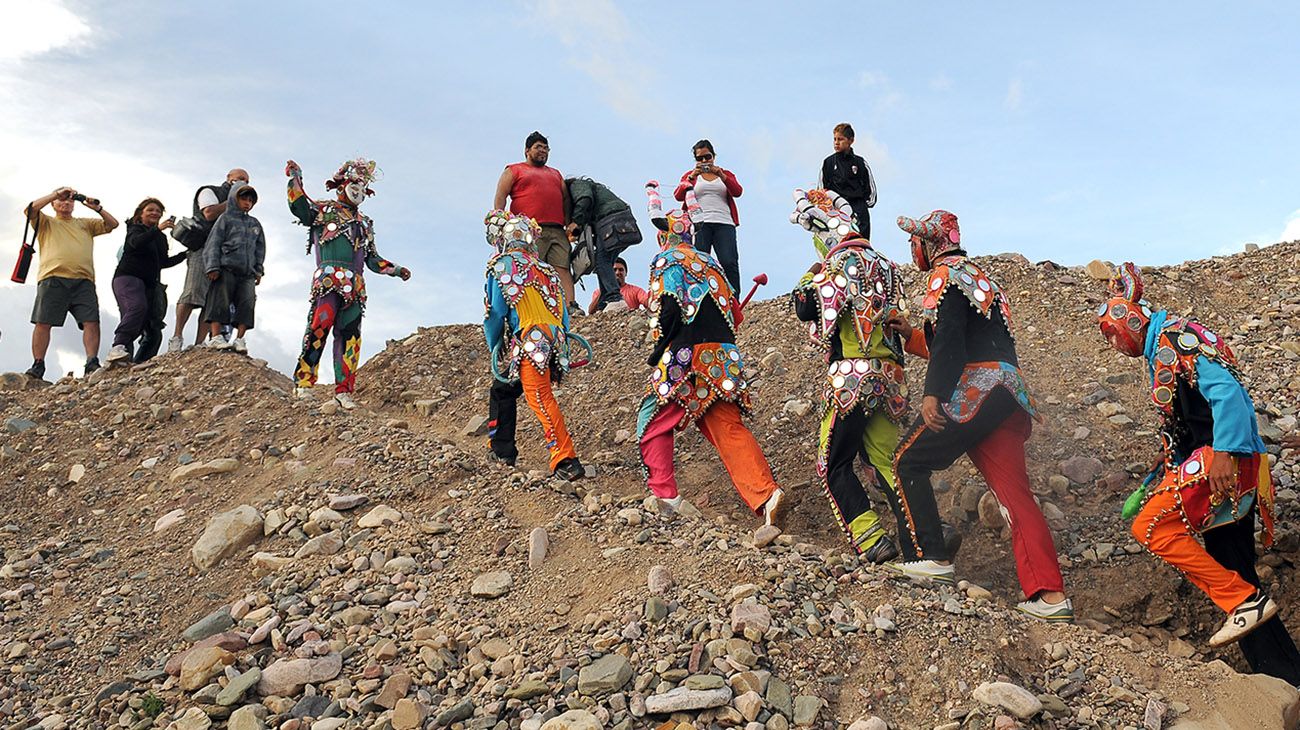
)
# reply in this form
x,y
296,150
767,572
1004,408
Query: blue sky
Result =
x,y
1158,133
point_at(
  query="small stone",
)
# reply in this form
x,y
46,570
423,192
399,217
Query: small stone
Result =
x,y
870,722
201,665
990,512
408,714
806,708
573,720
395,688
286,677
655,609
226,533
491,585
607,674
746,615
248,717
477,425
659,580
682,699
198,469
527,690
234,691
210,625
749,704
765,535
345,502
329,543
191,719
1099,270
1016,700
458,712
538,545
169,520
379,516
77,473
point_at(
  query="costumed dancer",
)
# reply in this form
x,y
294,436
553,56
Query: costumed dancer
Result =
x,y
344,241
976,402
698,374
527,330
1213,475
846,298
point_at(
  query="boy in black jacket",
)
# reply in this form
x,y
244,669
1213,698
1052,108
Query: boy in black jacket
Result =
x,y
850,176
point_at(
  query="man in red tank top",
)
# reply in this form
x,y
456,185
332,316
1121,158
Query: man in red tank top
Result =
x,y
539,192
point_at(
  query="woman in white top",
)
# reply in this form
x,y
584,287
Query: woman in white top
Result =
x,y
715,225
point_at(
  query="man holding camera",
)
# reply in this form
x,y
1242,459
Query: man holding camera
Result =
x,y
66,279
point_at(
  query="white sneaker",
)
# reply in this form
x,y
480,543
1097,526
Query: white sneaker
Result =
x,y
116,354
301,392
774,507
1052,613
671,506
345,401
175,344
1244,619
239,346
217,342
925,570
619,306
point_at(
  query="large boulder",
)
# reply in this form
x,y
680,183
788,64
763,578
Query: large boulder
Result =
x,y
225,534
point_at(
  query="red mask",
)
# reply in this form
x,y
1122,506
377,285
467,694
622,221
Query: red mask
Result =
x,y
1124,325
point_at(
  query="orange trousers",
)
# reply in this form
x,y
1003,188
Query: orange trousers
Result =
x,y
1159,527
537,391
722,426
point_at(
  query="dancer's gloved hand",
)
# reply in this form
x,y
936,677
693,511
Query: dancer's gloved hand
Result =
x,y
932,414
405,273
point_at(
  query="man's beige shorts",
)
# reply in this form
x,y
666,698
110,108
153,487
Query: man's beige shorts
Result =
x,y
553,247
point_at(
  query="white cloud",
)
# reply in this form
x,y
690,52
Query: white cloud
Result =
x,y
33,27
1015,95
1291,231
940,83
869,79
603,46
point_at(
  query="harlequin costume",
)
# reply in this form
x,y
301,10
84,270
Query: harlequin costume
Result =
x,y
1207,416
527,329
974,375
846,304
698,375
343,239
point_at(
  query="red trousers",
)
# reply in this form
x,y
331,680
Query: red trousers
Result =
x,y
995,441
722,426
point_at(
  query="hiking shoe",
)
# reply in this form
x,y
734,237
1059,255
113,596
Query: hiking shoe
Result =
x,y
671,506
37,370
175,344
217,342
883,551
345,401
238,345
1052,613
302,392
116,354
570,470
619,306
925,570
951,539
92,364
774,507
1247,617
496,458
576,311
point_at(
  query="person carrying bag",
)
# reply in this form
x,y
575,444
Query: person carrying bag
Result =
x,y
604,227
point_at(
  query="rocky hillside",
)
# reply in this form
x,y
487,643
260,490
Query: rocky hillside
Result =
x,y
186,546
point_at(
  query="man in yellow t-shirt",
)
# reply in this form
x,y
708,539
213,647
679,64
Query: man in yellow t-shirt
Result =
x,y
66,276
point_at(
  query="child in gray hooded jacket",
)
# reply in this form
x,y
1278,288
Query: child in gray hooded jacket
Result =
x,y
233,257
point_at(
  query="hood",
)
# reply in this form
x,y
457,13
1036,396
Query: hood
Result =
x,y
231,206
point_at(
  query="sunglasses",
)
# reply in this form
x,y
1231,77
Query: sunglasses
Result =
x,y
703,158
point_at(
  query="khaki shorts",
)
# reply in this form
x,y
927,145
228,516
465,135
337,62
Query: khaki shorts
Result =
x,y
195,291
553,247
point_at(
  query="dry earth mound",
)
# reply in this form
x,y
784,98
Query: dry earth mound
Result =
x,y
188,546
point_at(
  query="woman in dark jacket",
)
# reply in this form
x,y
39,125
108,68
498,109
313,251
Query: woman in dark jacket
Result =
x,y
716,190
138,274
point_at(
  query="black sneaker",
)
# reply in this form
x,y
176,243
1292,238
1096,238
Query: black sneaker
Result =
x,y
91,365
37,370
883,551
951,540
570,470
496,458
